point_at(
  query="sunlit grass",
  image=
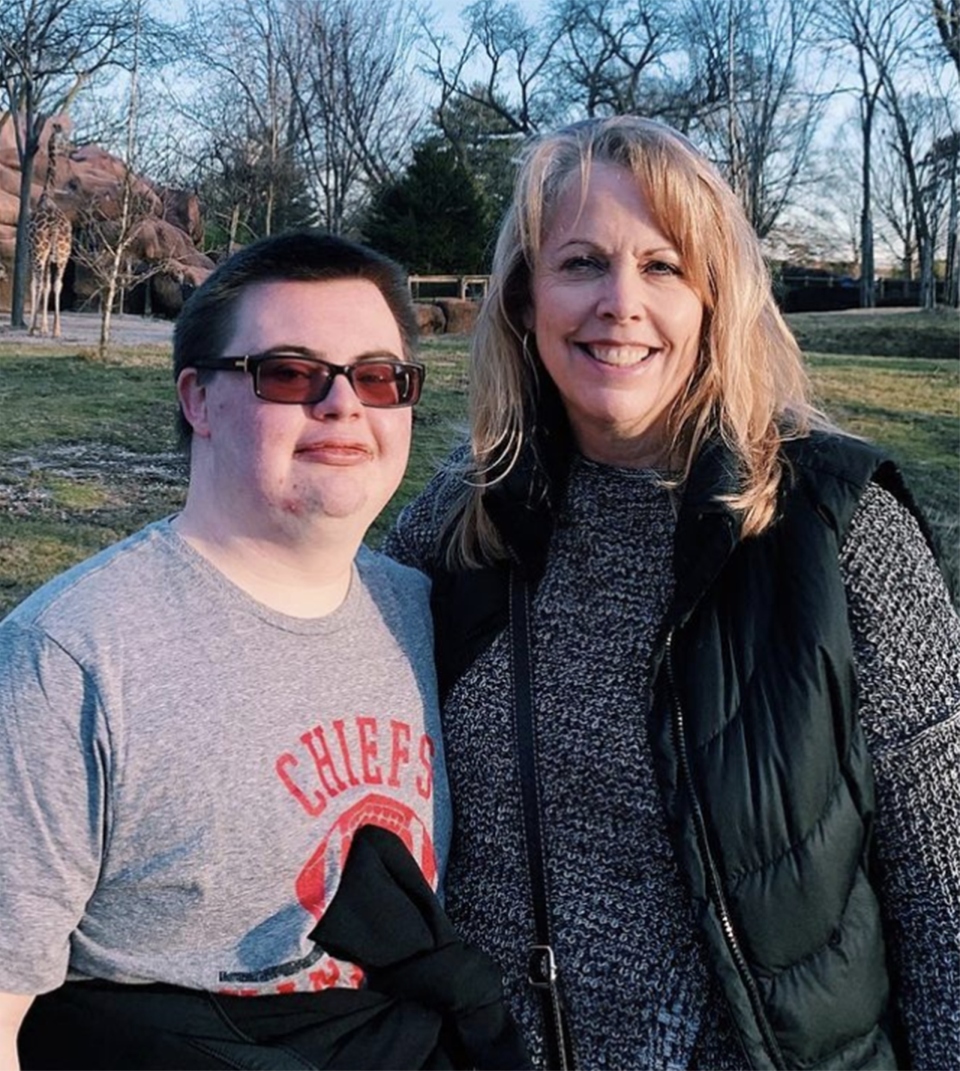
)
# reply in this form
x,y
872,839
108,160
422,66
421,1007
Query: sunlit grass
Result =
x,y
87,447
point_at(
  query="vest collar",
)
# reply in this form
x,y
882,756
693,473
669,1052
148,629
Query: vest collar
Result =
x,y
707,529
524,503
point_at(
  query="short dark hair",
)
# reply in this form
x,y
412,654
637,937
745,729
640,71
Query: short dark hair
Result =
x,y
206,322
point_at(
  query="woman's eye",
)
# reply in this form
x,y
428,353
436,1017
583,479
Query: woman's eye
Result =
x,y
663,267
582,264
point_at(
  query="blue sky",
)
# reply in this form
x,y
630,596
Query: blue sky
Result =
x,y
448,11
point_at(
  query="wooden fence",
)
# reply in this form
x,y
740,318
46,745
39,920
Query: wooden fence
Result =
x,y
464,286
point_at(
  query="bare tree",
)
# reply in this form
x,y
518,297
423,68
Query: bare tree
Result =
x,y
849,23
893,203
106,238
109,246
348,66
914,141
758,107
48,50
730,72
885,39
247,156
946,154
833,208
511,73
947,19
608,52
933,155
946,14
305,107
502,67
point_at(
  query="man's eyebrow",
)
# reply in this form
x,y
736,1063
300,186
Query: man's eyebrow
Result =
x,y
290,350
285,350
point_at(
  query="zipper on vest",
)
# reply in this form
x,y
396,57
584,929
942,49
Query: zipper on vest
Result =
x,y
713,875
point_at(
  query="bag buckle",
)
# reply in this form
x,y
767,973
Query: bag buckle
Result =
x,y
542,967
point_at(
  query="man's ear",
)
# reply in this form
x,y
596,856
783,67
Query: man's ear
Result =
x,y
193,401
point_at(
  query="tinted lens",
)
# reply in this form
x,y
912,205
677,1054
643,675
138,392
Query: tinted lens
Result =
x,y
384,383
299,380
288,379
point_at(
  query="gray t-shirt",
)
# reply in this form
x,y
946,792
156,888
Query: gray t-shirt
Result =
x,y
182,769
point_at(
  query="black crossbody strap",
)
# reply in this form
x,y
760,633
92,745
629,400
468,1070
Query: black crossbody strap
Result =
x,y
542,970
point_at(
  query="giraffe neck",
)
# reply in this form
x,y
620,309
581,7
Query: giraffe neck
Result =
x,y
53,153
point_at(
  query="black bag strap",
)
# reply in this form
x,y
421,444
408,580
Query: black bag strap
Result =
x,y
542,969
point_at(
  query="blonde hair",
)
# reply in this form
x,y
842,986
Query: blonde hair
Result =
x,y
749,385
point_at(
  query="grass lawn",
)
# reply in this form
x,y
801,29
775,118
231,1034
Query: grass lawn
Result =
x,y
882,333
87,449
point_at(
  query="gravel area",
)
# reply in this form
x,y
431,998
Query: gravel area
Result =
x,y
83,328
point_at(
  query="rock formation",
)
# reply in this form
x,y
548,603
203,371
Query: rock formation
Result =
x,y
459,314
89,192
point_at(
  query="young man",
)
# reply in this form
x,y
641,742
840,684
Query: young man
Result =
x,y
195,722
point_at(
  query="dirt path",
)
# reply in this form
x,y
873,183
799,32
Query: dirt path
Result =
x,y
83,329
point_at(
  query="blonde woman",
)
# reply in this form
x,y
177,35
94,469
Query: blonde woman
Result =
x,y
699,666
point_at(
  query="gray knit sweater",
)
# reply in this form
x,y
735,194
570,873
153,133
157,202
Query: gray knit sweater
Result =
x,y
635,973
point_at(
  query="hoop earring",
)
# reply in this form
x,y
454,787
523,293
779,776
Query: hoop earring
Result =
x,y
527,354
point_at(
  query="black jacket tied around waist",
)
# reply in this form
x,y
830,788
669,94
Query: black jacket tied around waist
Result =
x,y
429,1000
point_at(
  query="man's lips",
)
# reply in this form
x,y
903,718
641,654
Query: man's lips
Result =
x,y
334,452
618,354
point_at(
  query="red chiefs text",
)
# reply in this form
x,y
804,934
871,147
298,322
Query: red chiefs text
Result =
x,y
348,753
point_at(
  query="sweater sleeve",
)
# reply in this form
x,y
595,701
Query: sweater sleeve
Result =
x,y
906,638
415,537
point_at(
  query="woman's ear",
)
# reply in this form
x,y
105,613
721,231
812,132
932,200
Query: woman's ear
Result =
x,y
193,401
529,319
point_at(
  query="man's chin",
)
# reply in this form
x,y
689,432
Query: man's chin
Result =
x,y
357,509
351,501
338,508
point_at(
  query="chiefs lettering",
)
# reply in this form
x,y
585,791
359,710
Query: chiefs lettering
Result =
x,y
349,753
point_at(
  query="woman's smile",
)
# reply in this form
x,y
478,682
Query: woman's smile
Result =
x,y
617,324
619,355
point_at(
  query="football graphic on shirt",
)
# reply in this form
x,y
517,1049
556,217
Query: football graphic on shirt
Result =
x,y
318,879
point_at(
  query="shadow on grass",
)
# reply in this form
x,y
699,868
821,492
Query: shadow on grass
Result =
x,y
909,333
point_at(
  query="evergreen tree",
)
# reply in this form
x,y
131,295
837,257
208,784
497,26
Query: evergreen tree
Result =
x,y
434,219
473,124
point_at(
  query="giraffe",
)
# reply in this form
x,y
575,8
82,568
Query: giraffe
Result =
x,y
51,240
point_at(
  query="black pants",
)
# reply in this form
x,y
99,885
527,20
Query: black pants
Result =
x,y
430,1001
87,1025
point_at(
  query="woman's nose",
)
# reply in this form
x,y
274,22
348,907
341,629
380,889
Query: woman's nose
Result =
x,y
623,297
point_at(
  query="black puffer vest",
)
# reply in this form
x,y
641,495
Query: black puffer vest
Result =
x,y
761,760
763,766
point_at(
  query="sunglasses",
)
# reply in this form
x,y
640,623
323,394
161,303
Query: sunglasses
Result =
x,y
292,379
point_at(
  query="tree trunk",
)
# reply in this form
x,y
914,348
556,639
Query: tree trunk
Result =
x,y
234,227
868,286
21,257
868,290
952,296
268,222
106,314
928,286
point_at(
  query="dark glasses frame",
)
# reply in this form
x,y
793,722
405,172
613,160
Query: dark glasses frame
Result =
x,y
410,374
